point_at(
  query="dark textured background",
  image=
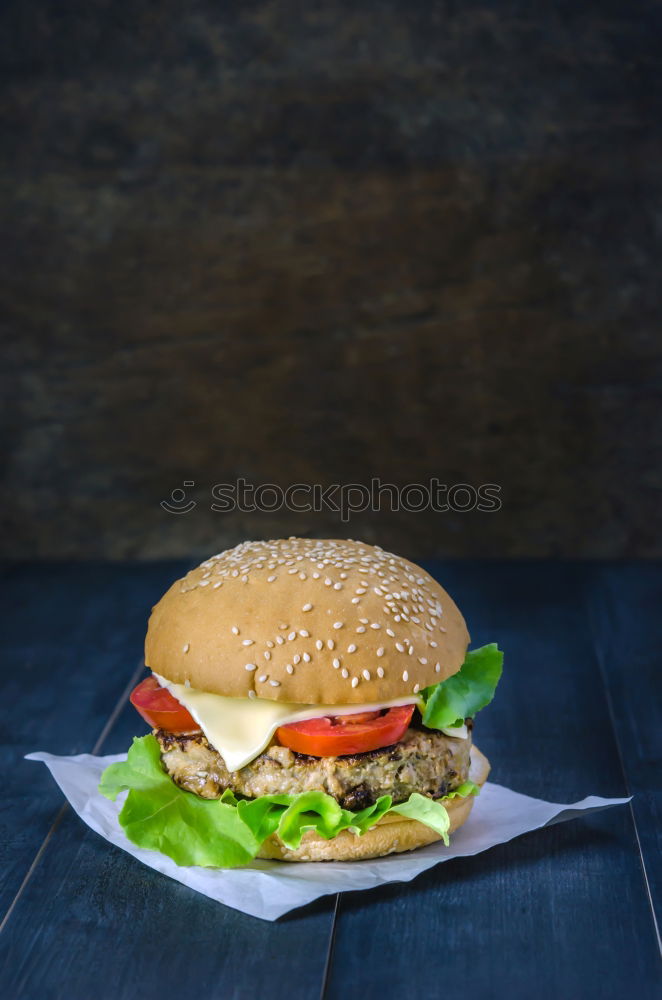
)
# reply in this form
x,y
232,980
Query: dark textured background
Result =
x,y
326,242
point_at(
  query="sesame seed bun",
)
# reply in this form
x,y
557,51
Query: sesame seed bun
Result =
x,y
393,834
312,621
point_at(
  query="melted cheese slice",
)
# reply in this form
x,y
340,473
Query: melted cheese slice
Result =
x,y
241,728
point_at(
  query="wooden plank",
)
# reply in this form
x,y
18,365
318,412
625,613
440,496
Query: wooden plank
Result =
x,y
559,913
543,913
94,922
72,638
626,615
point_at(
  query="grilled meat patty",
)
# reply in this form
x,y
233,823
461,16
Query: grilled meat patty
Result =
x,y
424,761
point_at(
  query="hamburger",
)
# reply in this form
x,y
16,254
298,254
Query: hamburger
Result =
x,y
309,700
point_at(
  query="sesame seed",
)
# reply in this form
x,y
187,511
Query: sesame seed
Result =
x,y
289,668
250,666
270,643
417,688
296,658
364,621
316,576
389,631
307,607
234,630
247,642
330,644
319,644
275,684
344,672
262,678
361,629
432,643
380,671
306,657
302,576
328,582
375,625
442,629
380,651
356,600
400,648
267,654
270,579
280,640
360,590
251,694
355,681
366,674
337,586
337,624
336,662
351,648
186,647
292,635
437,668
283,625
422,659
405,675
396,618
411,649
215,586
204,583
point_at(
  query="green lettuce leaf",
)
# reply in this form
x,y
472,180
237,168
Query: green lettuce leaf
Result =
x,y
227,832
427,811
431,811
452,701
466,788
320,812
157,815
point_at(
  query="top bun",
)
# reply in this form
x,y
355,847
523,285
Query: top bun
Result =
x,y
312,621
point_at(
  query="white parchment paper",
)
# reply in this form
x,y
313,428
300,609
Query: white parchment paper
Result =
x,y
267,889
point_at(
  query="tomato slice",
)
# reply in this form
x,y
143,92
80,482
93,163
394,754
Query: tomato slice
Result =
x,y
336,736
353,720
159,709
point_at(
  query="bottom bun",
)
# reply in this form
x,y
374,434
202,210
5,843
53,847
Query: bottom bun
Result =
x,y
391,835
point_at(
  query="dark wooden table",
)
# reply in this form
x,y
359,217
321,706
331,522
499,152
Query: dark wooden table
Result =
x,y
565,912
